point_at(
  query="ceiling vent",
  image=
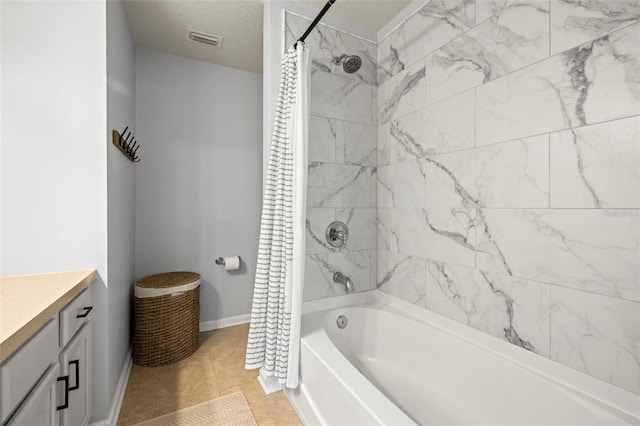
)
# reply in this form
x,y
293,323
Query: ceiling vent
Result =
x,y
209,39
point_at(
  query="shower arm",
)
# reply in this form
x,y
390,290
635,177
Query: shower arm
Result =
x,y
339,59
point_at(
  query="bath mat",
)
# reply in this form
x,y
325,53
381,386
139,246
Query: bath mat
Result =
x,y
228,410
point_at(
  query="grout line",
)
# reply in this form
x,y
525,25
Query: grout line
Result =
x,y
549,167
518,138
543,208
549,57
534,281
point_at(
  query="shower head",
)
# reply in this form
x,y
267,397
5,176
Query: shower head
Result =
x,y
351,63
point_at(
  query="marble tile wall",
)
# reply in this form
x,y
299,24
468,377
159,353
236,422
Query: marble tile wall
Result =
x,y
342,159
508,174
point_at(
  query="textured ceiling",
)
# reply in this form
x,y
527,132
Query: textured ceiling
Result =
x,y
162,25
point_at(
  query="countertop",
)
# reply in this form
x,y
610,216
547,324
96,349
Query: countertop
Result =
x,y
27,302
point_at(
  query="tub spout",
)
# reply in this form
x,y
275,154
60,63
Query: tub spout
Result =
x,y
341,278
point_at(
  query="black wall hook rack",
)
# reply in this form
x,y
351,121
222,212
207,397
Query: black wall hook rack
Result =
x,y
127,144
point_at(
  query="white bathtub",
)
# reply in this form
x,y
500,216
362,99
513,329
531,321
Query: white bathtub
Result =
x,y
396,364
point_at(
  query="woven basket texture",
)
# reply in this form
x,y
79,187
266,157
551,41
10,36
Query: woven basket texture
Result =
x,y
166,328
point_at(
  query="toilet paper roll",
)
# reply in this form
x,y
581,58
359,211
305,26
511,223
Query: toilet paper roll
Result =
x,y
231,263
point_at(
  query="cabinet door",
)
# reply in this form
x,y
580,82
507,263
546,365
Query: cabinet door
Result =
x,y
40,407
75,362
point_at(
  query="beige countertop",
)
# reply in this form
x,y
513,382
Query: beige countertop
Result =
x,y
27,302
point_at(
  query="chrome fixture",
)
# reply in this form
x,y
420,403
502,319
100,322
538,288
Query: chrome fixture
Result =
x,y
342,321
337,234
341,278
351,63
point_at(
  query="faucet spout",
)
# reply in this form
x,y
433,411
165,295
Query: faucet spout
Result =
x,y
341,278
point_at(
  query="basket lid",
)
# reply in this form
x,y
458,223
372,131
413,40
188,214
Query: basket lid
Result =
x,y
168,279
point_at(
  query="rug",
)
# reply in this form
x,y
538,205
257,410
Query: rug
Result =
x,y
228,410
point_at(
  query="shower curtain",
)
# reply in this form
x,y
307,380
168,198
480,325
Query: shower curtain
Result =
x,y
274,332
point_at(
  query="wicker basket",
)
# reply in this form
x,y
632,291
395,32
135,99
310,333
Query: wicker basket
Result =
x,y
166,318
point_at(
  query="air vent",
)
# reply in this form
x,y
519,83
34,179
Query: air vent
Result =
x,y
210,39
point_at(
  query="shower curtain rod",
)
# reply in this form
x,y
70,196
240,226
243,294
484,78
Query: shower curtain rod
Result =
x,y
315,22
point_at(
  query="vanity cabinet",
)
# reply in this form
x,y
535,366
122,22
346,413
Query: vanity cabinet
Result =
x,y
40,408
75,363
47,381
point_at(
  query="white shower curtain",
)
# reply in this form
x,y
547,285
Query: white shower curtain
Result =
x,y
274,332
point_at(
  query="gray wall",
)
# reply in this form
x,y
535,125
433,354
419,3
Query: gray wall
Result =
x,y
120,189
199,184
508,175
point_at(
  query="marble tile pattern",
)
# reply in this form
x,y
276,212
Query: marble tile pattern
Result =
x,y
401,185
598,335
356,144
322,139
519,119
402,276
577,21
325,43
594,82
487,8
318,42
384,61
597,166
510,174
342,180
444,127
587,249
383,144
445,19
517,37
319,270
512,309
446,235
317,221
402,94
338,185
334,96
362,225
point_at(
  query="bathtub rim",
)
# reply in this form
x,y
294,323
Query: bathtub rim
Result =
x,y
593,388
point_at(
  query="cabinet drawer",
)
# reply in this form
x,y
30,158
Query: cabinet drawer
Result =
x,y
22,370
74,315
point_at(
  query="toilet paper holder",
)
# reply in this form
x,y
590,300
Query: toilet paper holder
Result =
x,y
220,260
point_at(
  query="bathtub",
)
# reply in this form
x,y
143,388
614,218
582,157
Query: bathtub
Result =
x,y
397,364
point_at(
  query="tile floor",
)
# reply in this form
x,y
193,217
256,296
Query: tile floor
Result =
x,y
215,369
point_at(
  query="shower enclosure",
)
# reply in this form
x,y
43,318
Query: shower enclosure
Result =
x,y
486,158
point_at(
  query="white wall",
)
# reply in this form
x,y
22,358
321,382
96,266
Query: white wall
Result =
x,y
54,180
120,189
199,184
56,203
53,143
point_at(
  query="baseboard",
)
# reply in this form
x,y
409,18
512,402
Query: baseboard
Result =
x,y
224,322
116,404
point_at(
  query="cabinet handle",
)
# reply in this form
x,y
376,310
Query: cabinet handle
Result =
x,y
65,379
77,364
87,309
